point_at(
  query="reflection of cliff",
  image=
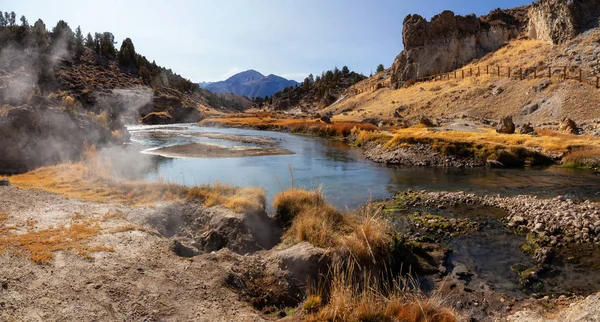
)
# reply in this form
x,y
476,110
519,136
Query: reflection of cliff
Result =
x,y
449,41
557,21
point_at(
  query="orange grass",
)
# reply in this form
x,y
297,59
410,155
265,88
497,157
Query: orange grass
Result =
x,y
40,245
363,236
353,297
82,182
315,126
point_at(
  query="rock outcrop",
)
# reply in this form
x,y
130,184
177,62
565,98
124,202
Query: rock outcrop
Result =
x,y
449,41
506,125
557,21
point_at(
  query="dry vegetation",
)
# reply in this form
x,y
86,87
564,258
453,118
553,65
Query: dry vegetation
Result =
x,y
365,298
93,181
267,122
473,97
363,236
40,244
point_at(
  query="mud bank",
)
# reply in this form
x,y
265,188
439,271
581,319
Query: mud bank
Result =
x,y
203,150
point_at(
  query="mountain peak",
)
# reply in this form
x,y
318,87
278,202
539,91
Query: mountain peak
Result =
x,y
250,83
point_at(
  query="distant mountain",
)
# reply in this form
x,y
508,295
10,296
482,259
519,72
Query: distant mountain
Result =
x,y
250,83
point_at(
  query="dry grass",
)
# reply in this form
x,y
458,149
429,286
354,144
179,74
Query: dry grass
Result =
x,y
584,158
364,298
363,236
93,181
40,244
314,127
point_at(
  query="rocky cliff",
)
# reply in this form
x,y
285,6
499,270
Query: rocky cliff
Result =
x,y
557,21
449,41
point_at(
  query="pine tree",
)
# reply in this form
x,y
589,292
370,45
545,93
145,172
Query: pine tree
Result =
x,y
12,20
79,48
89,41
2,20
127,54
345,70
380,68
24,22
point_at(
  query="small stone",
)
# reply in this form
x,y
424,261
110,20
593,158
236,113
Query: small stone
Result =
x,y
4,182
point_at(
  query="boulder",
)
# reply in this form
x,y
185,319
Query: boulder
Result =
x,y
425,121
527,129
399,110
530,108
4,182
568,125
506,125
325,119
305,263
541,86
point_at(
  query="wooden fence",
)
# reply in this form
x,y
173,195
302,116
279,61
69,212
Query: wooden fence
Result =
x,y
563,72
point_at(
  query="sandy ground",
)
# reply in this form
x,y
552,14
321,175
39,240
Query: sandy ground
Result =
x,y
140,280
203,150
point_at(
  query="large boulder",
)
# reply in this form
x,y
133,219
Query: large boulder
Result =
x,y
527,129
569,126
506,125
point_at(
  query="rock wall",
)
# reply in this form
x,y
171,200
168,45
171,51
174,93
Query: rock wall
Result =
x,y
449,41
557,21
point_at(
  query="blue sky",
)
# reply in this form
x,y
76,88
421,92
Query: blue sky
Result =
x,y
212,40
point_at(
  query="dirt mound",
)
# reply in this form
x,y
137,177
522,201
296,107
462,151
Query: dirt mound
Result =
x,y
211,229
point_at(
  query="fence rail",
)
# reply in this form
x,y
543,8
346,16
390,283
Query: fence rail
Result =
x,y
562,72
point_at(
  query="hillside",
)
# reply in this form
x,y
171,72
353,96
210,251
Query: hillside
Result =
x,y
250,84
59,90
426,79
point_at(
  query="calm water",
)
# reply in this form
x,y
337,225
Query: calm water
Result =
x,y
347,179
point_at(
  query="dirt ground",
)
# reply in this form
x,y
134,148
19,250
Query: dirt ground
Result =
x,y
141,279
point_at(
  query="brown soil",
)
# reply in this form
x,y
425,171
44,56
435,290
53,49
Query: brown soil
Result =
x,y
203,150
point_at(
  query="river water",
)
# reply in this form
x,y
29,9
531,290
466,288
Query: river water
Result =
x,y
347,179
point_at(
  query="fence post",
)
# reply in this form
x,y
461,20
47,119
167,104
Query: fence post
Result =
x,y
478,71
521,73
498,70
580,75
565,70
549,72
487,69
463,73
508,71
471,72
455,74
535,73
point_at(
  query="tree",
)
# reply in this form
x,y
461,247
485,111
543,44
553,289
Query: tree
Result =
x,y
24,22
2,20
79,48
345,70
380,68
89,41
126,54
40,34
62,32
311,78
107,45
12,19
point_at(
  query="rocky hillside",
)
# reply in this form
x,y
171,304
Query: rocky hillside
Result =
x,y
251,84
60,90
316,93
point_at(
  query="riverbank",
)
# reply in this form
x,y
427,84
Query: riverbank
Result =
x,y
457,143
306,238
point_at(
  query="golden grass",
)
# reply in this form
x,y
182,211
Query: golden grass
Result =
x,y
584,158
364,298
93,181
548,141
40,244
314,127
363,236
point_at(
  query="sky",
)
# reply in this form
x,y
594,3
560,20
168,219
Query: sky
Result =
x,y
210,40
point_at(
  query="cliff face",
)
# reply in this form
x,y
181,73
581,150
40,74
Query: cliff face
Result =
x,y
449,41
557,21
